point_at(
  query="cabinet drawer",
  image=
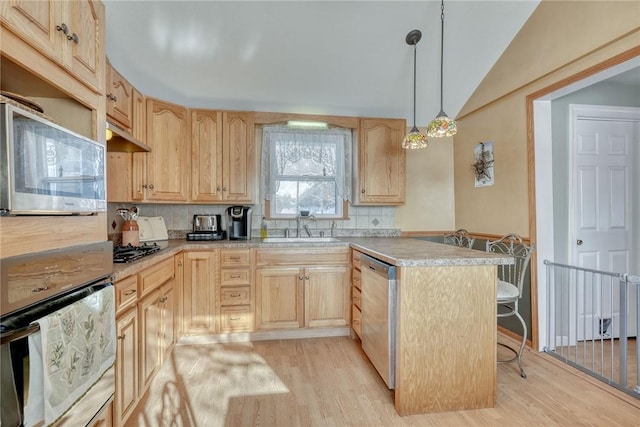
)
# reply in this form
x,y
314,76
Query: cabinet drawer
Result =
x,y
126,292
235,277
355,278
155,276
235,319
356,320
306,257
233,258
355,298
239,295
355,258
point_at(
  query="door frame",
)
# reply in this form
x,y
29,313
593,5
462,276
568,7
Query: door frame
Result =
x,y
539,153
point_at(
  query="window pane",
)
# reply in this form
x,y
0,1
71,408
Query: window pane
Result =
x,y
318,196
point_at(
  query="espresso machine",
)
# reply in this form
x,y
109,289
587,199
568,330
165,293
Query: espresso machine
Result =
x,y
239,222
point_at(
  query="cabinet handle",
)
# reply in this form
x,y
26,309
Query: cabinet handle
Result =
x,y
234,318
235,258
112,97
179,263
121,337
224,188
36,290
145,186
301,277
235,276
74,37
131,292
235,295
63,27
163,299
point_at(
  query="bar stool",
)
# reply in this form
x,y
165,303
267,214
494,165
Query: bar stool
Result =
x,y
510,283
460,238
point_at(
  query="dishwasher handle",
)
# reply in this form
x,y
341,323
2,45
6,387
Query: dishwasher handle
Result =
x,y
378,267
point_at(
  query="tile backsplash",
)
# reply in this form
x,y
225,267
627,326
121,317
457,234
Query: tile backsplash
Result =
x,y
363,220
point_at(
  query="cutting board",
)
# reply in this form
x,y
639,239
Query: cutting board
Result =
x,y
152,228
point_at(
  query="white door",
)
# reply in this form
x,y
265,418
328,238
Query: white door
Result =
x,y
602,189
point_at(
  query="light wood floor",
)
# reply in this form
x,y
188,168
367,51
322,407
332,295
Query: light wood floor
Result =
x,y
329,382
603,358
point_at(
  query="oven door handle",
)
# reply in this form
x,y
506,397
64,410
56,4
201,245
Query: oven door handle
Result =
x,y
17,334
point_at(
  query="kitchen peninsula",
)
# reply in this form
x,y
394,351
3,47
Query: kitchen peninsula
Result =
x,y
446,313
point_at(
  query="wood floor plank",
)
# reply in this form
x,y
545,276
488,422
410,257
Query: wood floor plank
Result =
x,y
330,382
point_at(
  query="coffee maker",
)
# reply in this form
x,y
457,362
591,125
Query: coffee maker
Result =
x,y
239,222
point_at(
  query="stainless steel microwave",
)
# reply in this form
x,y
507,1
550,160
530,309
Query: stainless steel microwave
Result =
x,y
46,169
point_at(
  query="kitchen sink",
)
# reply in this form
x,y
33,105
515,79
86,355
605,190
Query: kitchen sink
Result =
x,y
300,240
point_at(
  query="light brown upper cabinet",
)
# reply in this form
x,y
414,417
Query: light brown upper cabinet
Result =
x,y
223,156
68,32
163,173
119,98
381,162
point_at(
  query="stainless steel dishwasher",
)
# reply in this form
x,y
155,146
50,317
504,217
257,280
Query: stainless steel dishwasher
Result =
x,y
378,282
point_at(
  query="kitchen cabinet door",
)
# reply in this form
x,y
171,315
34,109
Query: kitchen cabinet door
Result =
x,y
168,164
326,296
238,168
381,162
85,51
119,98
199,281
279,298
70,33
126,391
206,156
150,332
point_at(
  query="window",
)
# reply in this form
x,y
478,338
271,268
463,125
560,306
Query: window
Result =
x,y
306,170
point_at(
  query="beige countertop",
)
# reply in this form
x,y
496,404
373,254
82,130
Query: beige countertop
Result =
x,y
398,251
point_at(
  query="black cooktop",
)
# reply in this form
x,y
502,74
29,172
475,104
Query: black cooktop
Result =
x,y
129,253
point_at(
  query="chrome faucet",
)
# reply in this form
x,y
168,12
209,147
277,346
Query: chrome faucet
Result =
x,y
299,219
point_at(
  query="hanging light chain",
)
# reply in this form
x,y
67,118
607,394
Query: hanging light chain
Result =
x,y
414,83
441,54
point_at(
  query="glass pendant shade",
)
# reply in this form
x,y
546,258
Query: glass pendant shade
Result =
x,y
414,139
441,126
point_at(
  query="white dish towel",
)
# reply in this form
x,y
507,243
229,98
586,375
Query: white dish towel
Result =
x,y
73,349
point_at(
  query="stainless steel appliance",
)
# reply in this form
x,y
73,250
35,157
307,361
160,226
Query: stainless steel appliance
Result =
x,y
46,169
378,303
207,227
239,222
35,286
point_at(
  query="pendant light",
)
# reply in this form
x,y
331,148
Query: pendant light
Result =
x,y
415,138
442,125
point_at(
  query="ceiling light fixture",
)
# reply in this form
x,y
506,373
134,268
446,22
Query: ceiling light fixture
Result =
x,y
442,125
307,124
415,138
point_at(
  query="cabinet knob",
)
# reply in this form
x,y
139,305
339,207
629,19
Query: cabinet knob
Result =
x,y
301,277
579,242
362,191
151,186
224,188
121,337
73,37
179,263
145,186
219,188
63,27
306,277
41,289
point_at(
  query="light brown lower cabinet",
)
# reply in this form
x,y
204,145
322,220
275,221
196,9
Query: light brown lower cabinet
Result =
x,y
314,294
199,292
126,394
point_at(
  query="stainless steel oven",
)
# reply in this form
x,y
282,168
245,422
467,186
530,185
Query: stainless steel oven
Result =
x,y
71,289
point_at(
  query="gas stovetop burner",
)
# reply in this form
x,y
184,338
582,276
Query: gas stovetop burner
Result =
x,y
131,253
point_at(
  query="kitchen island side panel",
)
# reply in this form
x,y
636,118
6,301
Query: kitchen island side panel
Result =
x,y
446,338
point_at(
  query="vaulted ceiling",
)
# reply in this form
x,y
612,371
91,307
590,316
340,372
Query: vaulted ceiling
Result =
x,y
320,57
